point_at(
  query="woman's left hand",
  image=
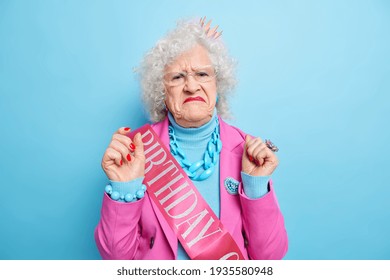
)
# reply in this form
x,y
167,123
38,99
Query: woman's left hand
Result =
x,y
257,158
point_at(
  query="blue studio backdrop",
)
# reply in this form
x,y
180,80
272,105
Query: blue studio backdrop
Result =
x,y
313,77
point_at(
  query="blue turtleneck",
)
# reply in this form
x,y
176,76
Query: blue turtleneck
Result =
x,y
193,141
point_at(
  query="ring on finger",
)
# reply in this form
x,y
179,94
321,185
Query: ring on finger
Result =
x,y
271,146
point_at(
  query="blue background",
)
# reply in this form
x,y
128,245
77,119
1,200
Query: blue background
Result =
x,y
313,77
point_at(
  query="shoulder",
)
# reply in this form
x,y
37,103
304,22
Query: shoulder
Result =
x,y
232,137
233,131
159,127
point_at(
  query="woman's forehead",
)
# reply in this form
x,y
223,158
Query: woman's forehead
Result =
x,y
194,58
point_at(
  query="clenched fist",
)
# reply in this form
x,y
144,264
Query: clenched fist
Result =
x,y
257,158
124,159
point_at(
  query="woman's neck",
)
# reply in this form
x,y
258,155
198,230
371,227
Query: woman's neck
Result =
x,y
194,135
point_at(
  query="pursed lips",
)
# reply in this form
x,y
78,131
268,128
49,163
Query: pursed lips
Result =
x,y
197,98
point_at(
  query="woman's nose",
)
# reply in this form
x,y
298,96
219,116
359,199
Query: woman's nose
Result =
x,y
191,85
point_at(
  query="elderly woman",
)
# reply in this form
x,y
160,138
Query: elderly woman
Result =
x,y
186,79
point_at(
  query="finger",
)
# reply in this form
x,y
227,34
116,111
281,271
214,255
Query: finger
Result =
x,y
252,144
114,155
131,145
265,156
247,140
126,141
254,140
123,130
257,147
248,144
139,146
122,149
260,154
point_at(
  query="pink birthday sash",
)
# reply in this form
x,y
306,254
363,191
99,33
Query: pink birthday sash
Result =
x,y
198,229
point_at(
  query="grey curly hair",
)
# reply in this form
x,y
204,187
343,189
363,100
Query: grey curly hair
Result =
x,y
185,36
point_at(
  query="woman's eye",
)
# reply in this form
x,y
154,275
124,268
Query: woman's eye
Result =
x,y
202,74
177,76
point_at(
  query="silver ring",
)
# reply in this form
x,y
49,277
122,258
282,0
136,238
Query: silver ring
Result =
x,y
271,146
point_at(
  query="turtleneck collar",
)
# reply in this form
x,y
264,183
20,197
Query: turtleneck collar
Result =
x,y
194,134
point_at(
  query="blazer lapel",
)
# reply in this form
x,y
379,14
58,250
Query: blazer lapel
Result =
x,y
230,167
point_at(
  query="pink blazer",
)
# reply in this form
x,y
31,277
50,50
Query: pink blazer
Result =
x,y
138,230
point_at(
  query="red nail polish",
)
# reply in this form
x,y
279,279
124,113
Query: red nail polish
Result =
x,y
132,146
128,157
250,158
121,162
127,128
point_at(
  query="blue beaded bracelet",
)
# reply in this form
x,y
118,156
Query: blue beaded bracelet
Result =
x,y
126,197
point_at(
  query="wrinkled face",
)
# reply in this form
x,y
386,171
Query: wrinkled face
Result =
x,y
190,88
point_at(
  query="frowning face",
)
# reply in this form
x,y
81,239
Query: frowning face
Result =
x,y
190,88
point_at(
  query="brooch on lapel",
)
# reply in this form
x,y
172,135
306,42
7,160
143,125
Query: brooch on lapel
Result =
x,y
231,185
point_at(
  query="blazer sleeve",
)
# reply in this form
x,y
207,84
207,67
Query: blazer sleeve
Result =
x,y
264,228
118,232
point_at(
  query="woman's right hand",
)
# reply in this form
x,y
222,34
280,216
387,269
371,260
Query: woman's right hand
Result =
x,y
124,159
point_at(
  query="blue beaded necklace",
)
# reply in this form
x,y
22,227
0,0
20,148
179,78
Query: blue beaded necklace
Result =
x,y
210,157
